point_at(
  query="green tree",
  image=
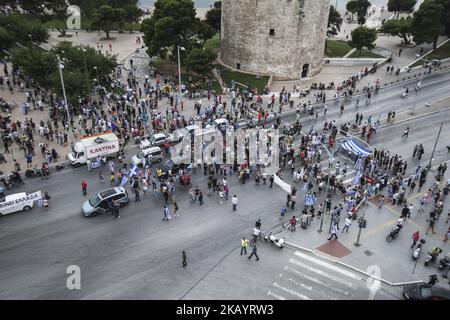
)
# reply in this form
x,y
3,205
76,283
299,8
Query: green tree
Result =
x,y
363,37
205,32
426,25
79,62
105,17
6,40
334,22
214,16
401,28
358,7
172,23
401,6
23,29
200,61
446,16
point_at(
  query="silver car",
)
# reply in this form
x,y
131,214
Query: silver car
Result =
x,y
102,201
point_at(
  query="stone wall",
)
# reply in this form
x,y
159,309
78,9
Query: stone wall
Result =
x,y
298,35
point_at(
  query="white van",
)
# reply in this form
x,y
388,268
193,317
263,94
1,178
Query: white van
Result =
x,y
153,154
21,201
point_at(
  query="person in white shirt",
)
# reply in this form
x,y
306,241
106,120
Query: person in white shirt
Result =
x,y
234,202
348,223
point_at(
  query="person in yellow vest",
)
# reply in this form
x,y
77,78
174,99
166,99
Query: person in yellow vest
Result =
x,y
244,245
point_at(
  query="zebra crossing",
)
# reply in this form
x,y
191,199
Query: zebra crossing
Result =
x,y
306,277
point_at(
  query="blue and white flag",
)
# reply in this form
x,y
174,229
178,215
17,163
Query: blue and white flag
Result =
x,y
357,178
96,164
134,170
309,199
124,180
358,164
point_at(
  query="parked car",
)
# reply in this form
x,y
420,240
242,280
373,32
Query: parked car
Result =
x,y
102,201
152,154
422,291
159,139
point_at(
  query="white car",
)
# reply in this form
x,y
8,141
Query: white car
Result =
x,y
159,139
153,154
21,201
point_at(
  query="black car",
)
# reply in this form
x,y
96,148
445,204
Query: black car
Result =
x,y
422,291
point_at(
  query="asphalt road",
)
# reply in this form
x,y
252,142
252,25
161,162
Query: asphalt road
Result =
x,y
139,256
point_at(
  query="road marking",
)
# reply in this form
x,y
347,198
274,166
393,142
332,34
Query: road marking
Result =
x,y
293,292
320,272
270,293
311,289
439,89
329,266
315,280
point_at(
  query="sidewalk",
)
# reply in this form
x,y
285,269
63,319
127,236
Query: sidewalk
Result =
x,y
393,259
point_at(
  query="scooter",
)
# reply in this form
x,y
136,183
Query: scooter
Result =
x,y
272,239
418,250
444,262
394,233
432,256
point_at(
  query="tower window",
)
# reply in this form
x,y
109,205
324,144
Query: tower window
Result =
x,y
238,66
272,32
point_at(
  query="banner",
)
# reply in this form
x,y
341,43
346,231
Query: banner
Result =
x,y
283,185
28,197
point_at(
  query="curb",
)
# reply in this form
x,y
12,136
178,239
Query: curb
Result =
x,y
393,284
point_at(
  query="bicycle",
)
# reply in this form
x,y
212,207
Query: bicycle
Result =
x,y
254,239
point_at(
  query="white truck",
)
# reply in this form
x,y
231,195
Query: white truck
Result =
x,y
98,145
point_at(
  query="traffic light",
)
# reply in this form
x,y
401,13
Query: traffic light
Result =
x,y
364,223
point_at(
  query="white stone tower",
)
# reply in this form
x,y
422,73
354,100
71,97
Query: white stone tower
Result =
x,y
284,38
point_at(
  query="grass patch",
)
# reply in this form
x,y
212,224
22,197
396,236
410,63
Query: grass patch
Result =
x,y
440,53
252,81
364,54
337,49
169,70
213,43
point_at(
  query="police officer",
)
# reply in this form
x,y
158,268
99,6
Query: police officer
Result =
x,y
116,209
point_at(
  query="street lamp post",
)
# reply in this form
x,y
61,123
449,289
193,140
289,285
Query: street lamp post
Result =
x,y
179,70
330,164
60,67
435,144
361,224
86,70
417,89
98,85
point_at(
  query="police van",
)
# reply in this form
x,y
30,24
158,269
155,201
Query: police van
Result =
x,y
21,201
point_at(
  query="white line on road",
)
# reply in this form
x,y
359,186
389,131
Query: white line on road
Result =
x,y
311,289
440,88
329,266
322,273
270,293
315,280
293,292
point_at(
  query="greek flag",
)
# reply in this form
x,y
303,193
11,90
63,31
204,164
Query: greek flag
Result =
x,y
134,170
358,164
357,178
114,126
124,181
309,200
96,164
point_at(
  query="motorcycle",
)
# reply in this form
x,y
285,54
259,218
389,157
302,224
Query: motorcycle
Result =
x,y
418,250
432,256
444,262
272,239
6,183
394,233
30,173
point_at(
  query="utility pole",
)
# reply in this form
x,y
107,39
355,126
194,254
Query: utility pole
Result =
x,y
60,67
330,164
435,144
363,220
179,71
